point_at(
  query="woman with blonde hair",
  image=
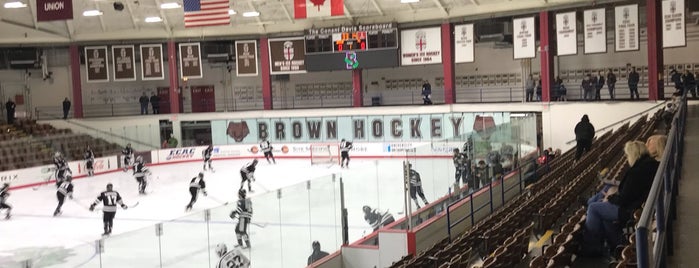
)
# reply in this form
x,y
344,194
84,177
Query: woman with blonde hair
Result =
x,y
656,146
618,206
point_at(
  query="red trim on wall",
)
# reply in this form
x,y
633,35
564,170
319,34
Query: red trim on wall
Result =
x,y
448,62
174,77
412,246
265,73
545,49
357,91
77,93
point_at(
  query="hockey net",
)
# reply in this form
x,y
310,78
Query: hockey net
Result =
x,y
325,153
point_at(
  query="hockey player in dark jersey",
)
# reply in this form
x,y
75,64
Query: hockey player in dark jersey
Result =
x,y
64,189
416,187
206,154
345,147
462,164
231,259
4,194
195,185
127,154
89,161
247,173
244,213
57,159
267,149
110,199
139,172
377,219
62,171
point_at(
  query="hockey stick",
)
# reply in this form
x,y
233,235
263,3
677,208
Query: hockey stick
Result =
x,y
217,200
261,225
50,171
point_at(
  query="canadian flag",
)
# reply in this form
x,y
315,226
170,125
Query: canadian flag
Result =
x,y
318,8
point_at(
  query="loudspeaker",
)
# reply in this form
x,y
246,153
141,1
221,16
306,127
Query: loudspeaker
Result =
x,y
118,6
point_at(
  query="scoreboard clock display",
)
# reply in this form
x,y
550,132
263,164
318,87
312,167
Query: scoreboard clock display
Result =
x,y
351,38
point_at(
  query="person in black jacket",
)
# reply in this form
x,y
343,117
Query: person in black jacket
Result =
x,y
426,93
611,83
599,85
143,100
690,83
633,83
317,253
605,218
155,103
10,107
587,85
66,108
676,79
584,133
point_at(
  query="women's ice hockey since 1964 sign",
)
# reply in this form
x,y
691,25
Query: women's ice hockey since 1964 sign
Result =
x,y
421,46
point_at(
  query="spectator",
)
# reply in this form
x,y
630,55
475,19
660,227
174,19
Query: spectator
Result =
x,y
155,103
661,86
618,206
633,83
587,87
529,88
144,103
656,146
538,90
599,84
670,110
690,84
66,108
676,79
10,107
172,141
560,88
584,133
611,83
317,253
426,92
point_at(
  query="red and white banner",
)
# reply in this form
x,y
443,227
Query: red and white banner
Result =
x,y
48,10
199,13
421,46
318,8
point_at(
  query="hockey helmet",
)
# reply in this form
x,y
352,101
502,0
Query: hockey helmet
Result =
x,y
366,209
201,174
69,178
109,186
242,193
57,154
6,185
139,159
221,249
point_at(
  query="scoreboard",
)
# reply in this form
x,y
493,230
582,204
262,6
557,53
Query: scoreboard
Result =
x,y
351,38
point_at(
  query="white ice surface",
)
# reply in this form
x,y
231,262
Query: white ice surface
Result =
x,y
291,223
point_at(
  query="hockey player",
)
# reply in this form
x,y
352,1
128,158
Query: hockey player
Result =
x,y
233,258
244,213
90,161
206,154
416,187
267,149
461,166
4,194
195,185
345,147
247,173
139,172
57,159
110,199
62,170
127,154
377,219
64,189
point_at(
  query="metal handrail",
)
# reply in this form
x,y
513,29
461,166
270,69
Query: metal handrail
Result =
x,y
659,205
654,107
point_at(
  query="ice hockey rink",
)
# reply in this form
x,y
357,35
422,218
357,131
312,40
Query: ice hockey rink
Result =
x,y
285,222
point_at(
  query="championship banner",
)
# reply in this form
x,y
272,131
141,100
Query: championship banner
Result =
x,y
287,55
464,44
152,62
524,38
674,31
595,31
626,28
421,46
49,10
246,58
567,34
190,60
96,64
123,63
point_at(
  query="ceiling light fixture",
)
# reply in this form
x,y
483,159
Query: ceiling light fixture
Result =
x,y
92,13
232,12
170,5
251,14
153,19
409,1
15,4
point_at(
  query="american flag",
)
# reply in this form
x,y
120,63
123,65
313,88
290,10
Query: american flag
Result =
x,y
199,13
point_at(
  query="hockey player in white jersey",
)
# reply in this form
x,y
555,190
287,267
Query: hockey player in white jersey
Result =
x,y
416,187
195,185
345,147
267,149
231,259
206,154
4,194
243,213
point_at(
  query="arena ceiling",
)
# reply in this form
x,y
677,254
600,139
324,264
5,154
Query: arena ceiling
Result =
x,y
19,26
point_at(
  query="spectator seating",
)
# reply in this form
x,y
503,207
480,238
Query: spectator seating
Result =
x,y
27,144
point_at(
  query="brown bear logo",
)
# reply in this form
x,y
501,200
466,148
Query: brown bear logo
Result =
x,y
238,130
